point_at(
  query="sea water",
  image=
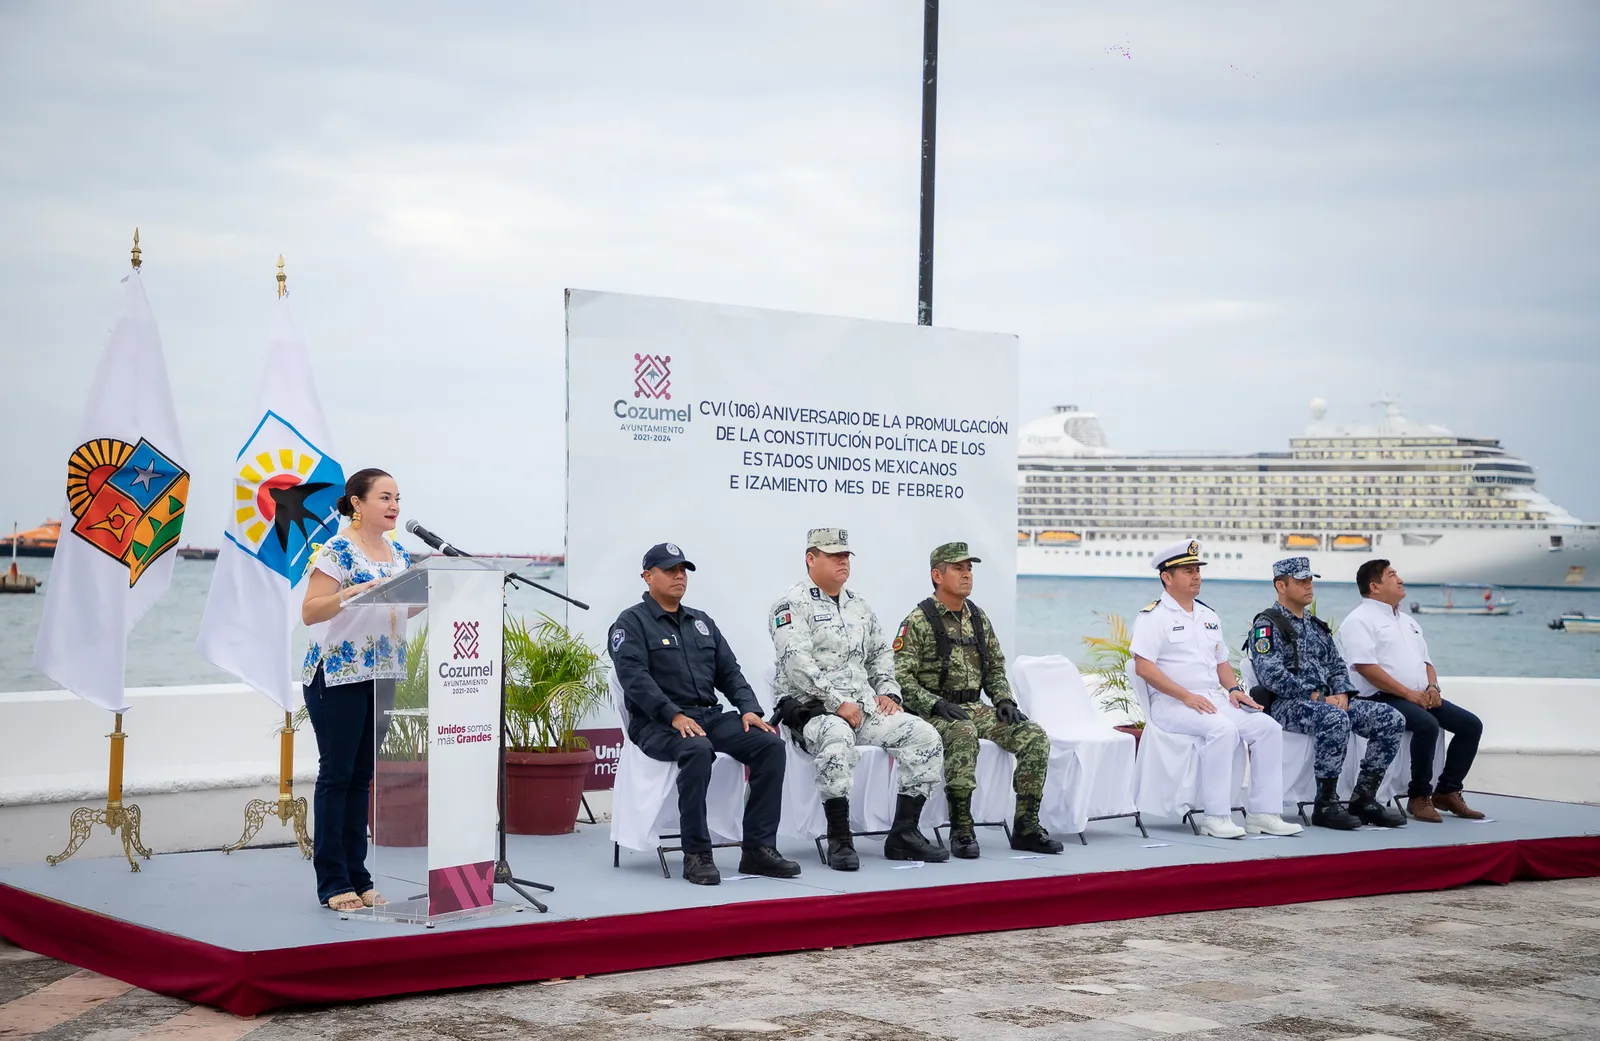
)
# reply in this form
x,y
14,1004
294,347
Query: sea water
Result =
x,y
1053,617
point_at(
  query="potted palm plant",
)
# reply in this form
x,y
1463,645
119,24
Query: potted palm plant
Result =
x,y
554,679
1108,663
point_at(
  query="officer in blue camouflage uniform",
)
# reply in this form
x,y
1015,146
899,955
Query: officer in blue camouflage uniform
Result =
x,y
1305,686
945,656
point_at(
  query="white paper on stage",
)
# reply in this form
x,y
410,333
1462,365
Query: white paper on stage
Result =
x,y
731,431
465,659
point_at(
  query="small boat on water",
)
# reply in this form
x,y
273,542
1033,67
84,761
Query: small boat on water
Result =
x,y
197,553
1468,599
14,581
35,542
1578,622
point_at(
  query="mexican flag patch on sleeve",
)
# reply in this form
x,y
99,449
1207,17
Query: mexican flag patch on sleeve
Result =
x,y
781,619
1262,635
900,637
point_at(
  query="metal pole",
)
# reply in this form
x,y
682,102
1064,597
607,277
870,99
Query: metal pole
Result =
x,y
930,92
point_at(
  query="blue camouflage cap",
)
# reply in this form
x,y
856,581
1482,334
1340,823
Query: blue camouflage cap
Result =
x,y
1293,567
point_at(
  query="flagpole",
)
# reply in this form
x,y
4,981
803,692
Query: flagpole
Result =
x,y
288,808
116,817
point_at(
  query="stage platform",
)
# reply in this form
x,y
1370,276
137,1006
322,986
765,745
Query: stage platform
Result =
x,y
244,932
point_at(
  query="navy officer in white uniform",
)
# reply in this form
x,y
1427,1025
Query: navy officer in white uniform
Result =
x,y
1180,654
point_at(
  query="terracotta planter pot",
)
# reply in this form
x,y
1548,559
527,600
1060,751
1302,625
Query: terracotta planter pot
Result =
x,y
1135,731
398,806
544,790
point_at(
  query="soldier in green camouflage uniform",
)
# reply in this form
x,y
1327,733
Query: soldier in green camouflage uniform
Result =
x,y
942,684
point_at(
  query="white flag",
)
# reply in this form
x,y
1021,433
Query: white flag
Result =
x,y
126,492
286,488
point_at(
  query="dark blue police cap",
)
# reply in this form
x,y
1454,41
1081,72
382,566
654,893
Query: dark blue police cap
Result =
x,y
665,555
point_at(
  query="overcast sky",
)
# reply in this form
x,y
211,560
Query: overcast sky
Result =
x,y
1195,219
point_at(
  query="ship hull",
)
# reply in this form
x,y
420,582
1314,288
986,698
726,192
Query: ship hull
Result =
x,y
26,550
1523,558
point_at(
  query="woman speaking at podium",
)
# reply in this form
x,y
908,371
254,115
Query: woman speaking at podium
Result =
x,y
353,651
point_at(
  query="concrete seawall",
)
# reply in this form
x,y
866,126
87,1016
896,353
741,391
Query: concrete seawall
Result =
x,y
196,755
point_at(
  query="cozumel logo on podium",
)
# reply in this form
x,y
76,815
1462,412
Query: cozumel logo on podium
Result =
x,y
128,500
285,496
652,376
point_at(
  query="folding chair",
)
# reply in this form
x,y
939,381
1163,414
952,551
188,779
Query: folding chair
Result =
x,y
994,801
1092,765
644,799
872,791
1167,777
1299,756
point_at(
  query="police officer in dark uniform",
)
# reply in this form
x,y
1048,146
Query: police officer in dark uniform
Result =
x,y
671,660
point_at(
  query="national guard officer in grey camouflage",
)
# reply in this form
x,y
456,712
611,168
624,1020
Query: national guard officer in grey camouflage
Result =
x,y
1305,686
836,689
945,654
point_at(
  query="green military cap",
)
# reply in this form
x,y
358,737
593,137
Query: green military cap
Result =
x,y
951,553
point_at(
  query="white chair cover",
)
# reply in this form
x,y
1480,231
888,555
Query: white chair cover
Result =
x,y
1092,766
644,796
993,799
1167,778
872,792
1299,752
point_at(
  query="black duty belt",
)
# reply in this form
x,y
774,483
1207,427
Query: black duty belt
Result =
x,y
960,697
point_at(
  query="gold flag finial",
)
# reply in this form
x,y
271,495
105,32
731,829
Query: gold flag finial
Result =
x,y
283,280
136,261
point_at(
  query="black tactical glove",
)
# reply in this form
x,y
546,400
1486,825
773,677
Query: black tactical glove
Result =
x,y
1008,713
949,710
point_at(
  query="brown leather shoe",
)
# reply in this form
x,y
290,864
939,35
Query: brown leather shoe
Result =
x,y
1452,802
1421,807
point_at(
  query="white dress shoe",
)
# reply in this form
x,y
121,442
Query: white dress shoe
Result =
x,y
1269,824
1220,828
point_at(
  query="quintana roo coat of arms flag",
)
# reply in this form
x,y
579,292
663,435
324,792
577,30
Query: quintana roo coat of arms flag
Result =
x,y
127,493
282,506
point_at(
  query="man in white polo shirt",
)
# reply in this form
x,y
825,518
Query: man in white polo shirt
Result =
x,y
1180,653
1390,664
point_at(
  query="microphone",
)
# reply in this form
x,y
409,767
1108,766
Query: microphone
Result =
x,y
435,541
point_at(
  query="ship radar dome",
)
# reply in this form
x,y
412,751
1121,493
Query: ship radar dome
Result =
x,y
1319,408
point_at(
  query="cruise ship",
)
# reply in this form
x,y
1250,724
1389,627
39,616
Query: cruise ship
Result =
x,y
1443,508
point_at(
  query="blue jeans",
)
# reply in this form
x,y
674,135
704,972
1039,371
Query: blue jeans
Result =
x,y
341,716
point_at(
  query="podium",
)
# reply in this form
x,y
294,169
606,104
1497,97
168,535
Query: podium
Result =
x,y
436,739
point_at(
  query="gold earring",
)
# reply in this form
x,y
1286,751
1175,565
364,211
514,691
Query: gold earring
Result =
x,y
355,521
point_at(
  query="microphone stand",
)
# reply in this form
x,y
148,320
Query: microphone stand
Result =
x,y
503,875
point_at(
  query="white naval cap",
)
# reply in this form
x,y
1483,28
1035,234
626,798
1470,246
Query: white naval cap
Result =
x,y
1177,555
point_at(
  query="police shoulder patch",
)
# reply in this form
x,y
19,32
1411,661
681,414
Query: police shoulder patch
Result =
x,y
617,636
1151,606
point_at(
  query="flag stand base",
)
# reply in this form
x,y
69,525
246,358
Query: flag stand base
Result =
x,y
287,808
115,817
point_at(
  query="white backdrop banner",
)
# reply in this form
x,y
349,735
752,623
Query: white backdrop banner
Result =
x,y
731,431
464,663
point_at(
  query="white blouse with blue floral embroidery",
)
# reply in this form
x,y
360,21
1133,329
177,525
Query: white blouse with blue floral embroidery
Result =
x,y
358,643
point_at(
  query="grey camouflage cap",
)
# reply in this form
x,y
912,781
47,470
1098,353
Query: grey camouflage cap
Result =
x,y
829,540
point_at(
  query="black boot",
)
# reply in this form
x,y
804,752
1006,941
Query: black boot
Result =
x,y
905,842
963,843
841,850
1027,834
701,870
766,860
1330,812
1364,804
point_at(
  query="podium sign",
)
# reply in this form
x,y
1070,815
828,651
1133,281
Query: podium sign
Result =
x,y
436,739
465,663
